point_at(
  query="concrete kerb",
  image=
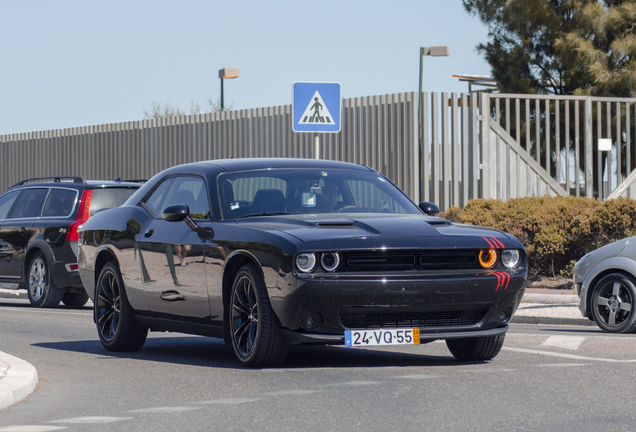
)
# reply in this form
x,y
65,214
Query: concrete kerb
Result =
x,y
18,382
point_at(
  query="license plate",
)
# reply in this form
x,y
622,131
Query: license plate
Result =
x,y
359,338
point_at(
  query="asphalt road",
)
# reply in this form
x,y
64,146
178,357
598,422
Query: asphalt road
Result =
x,y
564,378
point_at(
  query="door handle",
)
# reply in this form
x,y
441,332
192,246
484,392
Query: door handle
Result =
x,y
171,296
149,233
23,231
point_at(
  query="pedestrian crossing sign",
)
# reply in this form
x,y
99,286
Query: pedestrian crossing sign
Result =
x,y
316,106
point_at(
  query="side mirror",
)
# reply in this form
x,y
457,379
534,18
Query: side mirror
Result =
x,y
175,212
429,208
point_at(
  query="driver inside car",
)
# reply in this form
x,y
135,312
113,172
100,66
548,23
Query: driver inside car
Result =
x,y
327,200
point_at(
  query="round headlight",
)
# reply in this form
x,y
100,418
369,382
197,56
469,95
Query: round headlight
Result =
x,y
488,258
510,257
330,261
305,262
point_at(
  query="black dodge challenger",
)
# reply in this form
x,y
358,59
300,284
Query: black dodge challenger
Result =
x,y
269,252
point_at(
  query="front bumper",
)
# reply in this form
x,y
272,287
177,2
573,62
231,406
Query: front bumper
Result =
x,y
461,305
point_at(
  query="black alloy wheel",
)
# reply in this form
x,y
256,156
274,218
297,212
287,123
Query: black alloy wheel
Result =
x,y
613,303
117,327
476,348
41,291
256,338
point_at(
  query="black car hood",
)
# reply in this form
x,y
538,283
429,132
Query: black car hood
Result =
x,y
310,229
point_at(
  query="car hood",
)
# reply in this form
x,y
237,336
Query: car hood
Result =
x,y
363,226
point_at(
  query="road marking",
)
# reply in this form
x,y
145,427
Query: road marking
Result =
x,y
561,365
230,401
565,342
492,370
91,420
291,392
568,356
31,428
423,376
164,410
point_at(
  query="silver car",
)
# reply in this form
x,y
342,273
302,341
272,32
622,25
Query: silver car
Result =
x,y
605,280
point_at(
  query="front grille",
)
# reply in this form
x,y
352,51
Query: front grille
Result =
x,y
410,260
372,318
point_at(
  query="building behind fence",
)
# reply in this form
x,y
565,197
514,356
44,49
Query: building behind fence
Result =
x,y
504,146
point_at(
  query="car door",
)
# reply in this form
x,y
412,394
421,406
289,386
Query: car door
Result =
x,y
17,230
173,256
7,202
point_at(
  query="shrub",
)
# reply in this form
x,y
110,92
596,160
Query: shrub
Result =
x,y
556,231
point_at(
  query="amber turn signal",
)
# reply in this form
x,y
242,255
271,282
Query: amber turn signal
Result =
x,y
487,258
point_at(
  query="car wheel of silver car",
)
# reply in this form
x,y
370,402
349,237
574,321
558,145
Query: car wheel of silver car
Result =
x,y
116,325
256,338
477,348
75,299
41,290
613,303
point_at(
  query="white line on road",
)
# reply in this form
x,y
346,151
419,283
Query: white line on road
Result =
x,y
91,420
565,342
568,356
31,428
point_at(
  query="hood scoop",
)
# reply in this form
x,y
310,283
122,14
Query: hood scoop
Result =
x,y
438,223
336,224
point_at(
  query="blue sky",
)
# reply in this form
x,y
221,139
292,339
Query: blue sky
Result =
x,y
71,63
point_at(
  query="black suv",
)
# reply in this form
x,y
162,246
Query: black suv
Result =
x,y
39,219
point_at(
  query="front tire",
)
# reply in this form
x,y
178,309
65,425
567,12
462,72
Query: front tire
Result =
x,y
117,327
477,348
41,291
256,338
613,302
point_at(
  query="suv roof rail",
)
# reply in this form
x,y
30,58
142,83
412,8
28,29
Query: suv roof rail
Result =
x,y
56,179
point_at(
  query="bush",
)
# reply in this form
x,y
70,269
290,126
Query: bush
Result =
x,y
556,231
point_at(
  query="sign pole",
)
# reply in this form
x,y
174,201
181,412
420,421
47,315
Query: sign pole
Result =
x,y
317,146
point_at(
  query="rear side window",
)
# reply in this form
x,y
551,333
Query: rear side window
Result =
x,y
30,203
59,203
109,198
6,202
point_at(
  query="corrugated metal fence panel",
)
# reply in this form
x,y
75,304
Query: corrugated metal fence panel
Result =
x,y
378,131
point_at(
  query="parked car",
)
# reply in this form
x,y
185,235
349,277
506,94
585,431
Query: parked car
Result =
x,y
268,252
39,219
605,280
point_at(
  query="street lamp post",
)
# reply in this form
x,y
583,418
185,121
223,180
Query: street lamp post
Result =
x,y
227,73
436,51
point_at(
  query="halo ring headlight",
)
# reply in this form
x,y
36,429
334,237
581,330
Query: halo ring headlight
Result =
x,y
487,258
330,261
510,257
306,262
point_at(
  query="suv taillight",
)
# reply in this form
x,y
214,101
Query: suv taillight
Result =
x,y
82,215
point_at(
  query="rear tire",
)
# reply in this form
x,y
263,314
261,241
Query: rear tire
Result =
x,y
477,348
41,291
256,338
75,299
117,327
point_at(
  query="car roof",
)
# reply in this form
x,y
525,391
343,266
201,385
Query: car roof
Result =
x,y
264,163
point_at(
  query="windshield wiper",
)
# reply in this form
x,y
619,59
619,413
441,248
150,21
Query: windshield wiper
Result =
x,y
264,214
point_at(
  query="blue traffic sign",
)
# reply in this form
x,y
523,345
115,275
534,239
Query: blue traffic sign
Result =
x,y
316,106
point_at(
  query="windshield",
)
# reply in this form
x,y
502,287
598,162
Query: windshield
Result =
x,y
311,191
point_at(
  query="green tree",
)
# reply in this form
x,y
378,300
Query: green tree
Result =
x,y
559,46
603,47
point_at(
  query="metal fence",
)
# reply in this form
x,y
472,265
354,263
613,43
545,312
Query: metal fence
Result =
x,y
378,131
504,146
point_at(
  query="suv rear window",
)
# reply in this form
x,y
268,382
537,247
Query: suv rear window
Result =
x,y
109,197
59,203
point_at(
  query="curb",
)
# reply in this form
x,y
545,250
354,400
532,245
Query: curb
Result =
x,y
550,298
19,381
551,320
13,294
